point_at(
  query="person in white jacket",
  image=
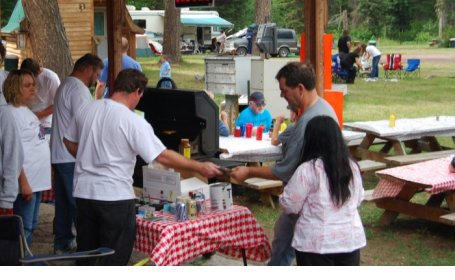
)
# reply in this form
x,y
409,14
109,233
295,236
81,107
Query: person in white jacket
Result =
x,y
11,160
325,192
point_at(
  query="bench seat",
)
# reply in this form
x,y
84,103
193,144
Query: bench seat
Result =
x,y
266,188
367,165
414,158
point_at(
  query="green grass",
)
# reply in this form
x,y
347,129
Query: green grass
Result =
x,y
407,241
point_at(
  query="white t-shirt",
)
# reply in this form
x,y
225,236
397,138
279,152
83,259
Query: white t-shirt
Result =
x,y
37,158
47,83
71,96
373,51
110,136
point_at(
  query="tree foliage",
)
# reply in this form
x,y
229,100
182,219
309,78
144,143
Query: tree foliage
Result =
x,y
403,20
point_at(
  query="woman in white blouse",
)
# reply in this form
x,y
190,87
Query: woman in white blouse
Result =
x,y
35,177
325,191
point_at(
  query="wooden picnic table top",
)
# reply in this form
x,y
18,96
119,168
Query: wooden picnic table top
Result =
x,y
406,129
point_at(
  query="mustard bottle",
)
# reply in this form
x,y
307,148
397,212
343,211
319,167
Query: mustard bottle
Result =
x,y
185,147
392,120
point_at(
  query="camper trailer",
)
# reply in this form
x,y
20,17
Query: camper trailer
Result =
x,y
197,26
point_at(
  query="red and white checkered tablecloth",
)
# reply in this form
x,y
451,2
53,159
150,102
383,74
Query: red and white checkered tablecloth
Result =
x,y
434,174
169,242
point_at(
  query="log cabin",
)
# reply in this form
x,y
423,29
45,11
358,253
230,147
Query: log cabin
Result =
x,y
85,25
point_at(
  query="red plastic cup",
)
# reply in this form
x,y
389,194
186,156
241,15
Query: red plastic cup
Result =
x,y
237,131
259,133
249,130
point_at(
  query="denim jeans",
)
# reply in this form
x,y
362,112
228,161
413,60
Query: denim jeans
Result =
x,y
65,205
282,252
29,211
375,67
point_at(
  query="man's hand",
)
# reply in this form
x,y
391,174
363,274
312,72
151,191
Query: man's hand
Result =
x,y
26,192
209,169
240,173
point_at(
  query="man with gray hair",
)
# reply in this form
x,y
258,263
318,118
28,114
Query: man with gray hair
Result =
x,y
297,83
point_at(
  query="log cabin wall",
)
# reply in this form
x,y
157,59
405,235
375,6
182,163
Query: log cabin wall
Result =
x,y
77,17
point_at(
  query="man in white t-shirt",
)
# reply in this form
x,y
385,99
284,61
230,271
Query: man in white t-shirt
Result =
x,y
106,136
47,82
71,96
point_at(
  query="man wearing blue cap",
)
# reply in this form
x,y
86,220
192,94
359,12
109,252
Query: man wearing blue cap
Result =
x,y
255,113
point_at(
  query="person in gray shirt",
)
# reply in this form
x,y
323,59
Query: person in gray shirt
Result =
x,y
297,83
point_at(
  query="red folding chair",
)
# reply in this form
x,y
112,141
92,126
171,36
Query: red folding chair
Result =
x,y
393,67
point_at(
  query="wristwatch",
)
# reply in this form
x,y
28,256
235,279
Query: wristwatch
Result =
x,y
453,162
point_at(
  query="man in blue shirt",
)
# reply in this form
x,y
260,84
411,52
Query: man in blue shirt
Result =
x,y
255,113
127,63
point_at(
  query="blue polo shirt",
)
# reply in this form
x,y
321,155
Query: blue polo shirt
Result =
x,y
127,63
248,116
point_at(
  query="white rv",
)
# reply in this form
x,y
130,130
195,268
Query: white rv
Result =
x,y
197,26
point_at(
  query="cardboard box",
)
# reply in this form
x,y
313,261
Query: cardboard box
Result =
x,y
166,185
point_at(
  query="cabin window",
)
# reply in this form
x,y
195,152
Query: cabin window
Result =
x,y
99,24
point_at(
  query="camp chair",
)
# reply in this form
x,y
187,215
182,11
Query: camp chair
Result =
x,y
338,73
15,251
393,67
413,68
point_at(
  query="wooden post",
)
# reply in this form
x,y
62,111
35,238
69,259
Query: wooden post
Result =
x,y
115,18
315,15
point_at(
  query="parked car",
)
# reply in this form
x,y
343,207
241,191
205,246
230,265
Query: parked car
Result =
x,y
276,41
237,43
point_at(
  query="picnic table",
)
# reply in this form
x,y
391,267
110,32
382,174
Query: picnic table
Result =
x,y
398,185
234,232
419,134
251,150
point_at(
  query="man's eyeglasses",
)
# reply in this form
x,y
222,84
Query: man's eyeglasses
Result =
x,y
260,104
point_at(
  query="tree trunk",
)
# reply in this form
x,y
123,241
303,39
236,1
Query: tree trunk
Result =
x,y
440,8
47,36
171,36
262,16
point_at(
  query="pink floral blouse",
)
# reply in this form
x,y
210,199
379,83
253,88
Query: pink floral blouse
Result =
x,y
322,227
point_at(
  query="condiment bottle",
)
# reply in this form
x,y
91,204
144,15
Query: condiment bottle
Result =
x,y
392,120
185,148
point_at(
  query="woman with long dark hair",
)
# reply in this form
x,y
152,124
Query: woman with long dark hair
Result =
x,y
325,191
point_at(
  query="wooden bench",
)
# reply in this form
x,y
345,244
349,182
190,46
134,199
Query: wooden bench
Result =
x,y
414,158
368,196
370,165
448,218
266,188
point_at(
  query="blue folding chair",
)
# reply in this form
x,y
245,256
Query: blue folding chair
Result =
x,y
413,68
339,74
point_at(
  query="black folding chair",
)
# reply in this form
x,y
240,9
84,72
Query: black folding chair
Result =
x,y
15,251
